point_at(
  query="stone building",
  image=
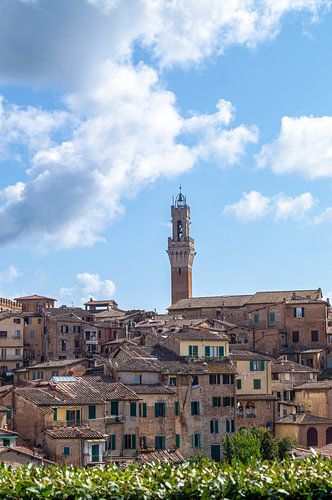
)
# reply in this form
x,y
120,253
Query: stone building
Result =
x,y
50,369
256,405
11,342
315,397
308,430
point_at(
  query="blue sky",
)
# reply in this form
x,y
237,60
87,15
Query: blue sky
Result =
x,y
107,106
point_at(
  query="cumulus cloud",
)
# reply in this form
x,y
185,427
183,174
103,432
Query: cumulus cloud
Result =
x,y
128,132
62,41
254,206
121,128
9,274
88,286
304,146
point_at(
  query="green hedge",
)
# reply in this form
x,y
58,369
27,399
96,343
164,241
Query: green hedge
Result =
x,y
311,478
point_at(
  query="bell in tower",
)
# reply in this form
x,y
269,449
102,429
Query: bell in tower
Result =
x,y
181,250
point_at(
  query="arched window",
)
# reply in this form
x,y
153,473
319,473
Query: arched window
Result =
x,y
250,410
180,230
329,435
239,410
312,437
245,340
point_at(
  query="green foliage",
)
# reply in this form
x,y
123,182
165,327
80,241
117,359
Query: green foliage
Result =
x,y
203,479
250,445
243,447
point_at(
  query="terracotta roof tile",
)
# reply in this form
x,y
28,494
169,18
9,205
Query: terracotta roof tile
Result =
x,y
74,433
304,419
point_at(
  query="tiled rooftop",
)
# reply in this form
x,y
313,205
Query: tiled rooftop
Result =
x,y
74,433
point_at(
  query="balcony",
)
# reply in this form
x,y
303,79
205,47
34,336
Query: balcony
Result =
x,y
114,419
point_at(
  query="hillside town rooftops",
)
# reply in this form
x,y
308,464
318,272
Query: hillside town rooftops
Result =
x,y
291,366
315,386
34,297
151,389
173,456
304,419
246,355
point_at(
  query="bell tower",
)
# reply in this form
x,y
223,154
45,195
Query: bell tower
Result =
x,y
181,250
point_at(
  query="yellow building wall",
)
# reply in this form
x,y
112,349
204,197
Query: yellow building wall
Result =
x,y
314,402
184,346
284,430
247,378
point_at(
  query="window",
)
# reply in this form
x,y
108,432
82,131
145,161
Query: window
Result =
x,y
63,346
92,412
214,378
177,440
227,401
39,321
193,351
66,451
296,336
133,409
257,383
314,335
176,408
272,318
137,379
115,408
227,379
32,334
17,352
28,321
17,334
196,440
112,442
142,412
239,383
230,426
216,401
160,442
257,366
129,441
6,442
76,329
64,328
256,319
214,426
3,334
329,338
195,408
55,414
275,376
17,321
37,375
298,312
160,409
55,373
142,442
214,351
172,381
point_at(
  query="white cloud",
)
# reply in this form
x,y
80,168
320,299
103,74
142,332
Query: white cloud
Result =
x,y
251,206
128,133
254,206
304,146
9,274
88,285
121,128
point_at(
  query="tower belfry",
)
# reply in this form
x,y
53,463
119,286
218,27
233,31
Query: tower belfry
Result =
x,y
181,250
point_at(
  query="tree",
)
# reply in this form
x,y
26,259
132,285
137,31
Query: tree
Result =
x,y
243,447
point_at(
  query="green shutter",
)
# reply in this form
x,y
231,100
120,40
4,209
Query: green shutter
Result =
x,y
238,383
113,442
156,409
177,440
207,351
133,441
221,350
192,408
190,351
133,409
262,366
144,410
92,412
114,408
163,405
176,408
302,312
294,310
251,366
